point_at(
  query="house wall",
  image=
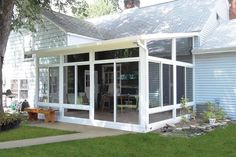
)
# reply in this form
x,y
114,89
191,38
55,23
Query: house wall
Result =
x,y
215,81
16,67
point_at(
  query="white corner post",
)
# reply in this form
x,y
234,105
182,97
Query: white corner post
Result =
x,y
36,97
92,85
61,83
174,77
143,86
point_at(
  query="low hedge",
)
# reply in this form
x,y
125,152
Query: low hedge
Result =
x,y
9,121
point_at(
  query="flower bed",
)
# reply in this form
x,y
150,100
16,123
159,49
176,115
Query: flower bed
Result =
x,y
9,121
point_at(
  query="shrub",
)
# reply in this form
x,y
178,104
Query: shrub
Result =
x,y
213,112
9,121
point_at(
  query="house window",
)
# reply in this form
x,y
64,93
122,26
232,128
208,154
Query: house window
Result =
x,y
14,87
20,88
23,89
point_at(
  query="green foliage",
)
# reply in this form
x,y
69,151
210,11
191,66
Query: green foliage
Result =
x,y
26,132
9,121
186,110
213,112
219,143
102,7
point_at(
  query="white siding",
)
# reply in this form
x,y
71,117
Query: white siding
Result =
x,y
16,67
216,80
48,37
75,39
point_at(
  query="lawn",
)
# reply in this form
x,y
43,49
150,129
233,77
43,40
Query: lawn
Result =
x,y
26,132
220,143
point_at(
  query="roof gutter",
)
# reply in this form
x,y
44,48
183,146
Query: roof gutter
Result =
x,y
215,50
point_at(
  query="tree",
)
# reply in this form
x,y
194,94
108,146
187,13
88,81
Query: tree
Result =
x,y
99,8
16,14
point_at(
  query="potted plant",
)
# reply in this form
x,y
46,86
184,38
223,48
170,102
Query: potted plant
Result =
x,y
210,114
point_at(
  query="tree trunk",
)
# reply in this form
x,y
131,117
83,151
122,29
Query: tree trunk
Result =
x,y
5,28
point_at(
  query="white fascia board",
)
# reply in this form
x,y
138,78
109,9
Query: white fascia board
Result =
x,y
81,36
127,42
213,50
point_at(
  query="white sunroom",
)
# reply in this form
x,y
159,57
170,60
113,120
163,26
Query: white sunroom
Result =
x,y
132,83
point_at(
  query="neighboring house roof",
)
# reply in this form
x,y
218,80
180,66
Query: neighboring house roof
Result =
x,y
171,17
224,37
73,25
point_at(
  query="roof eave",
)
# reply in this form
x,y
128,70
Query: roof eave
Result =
x,y
213,50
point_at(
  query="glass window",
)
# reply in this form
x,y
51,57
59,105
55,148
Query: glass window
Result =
x,y
14,87
180,83
154,85
183,50
189,84
49,60
160,48
76,58
76,113
167,84
49,85
24,89
69,85
157,117
54,85
127,89
114,54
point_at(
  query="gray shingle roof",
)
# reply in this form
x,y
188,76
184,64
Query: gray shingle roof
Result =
x,y
172,17
223,37
73,25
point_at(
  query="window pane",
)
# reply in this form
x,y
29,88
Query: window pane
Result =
x,y
167,84
54,85
183,50
113,54
83,93
157,117
154,85
180,83
43,84
160,48
23,84
76,58
189,84
104,95
14,87
23,94
69,85
76,113
127,89
49,60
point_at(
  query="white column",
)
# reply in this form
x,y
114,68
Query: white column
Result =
x,y
76,83
174,76
61,83
143,87
36,97
92,87
114,88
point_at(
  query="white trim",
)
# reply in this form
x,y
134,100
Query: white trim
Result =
x,y
127,42
174,77
79,107
92,83
114,91
61,83
157,125
82,36
104,124
194,81
213,50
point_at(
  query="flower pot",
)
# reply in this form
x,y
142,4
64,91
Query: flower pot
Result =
x,y
212,121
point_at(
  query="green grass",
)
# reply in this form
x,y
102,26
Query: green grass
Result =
x,y
220,143
26,132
